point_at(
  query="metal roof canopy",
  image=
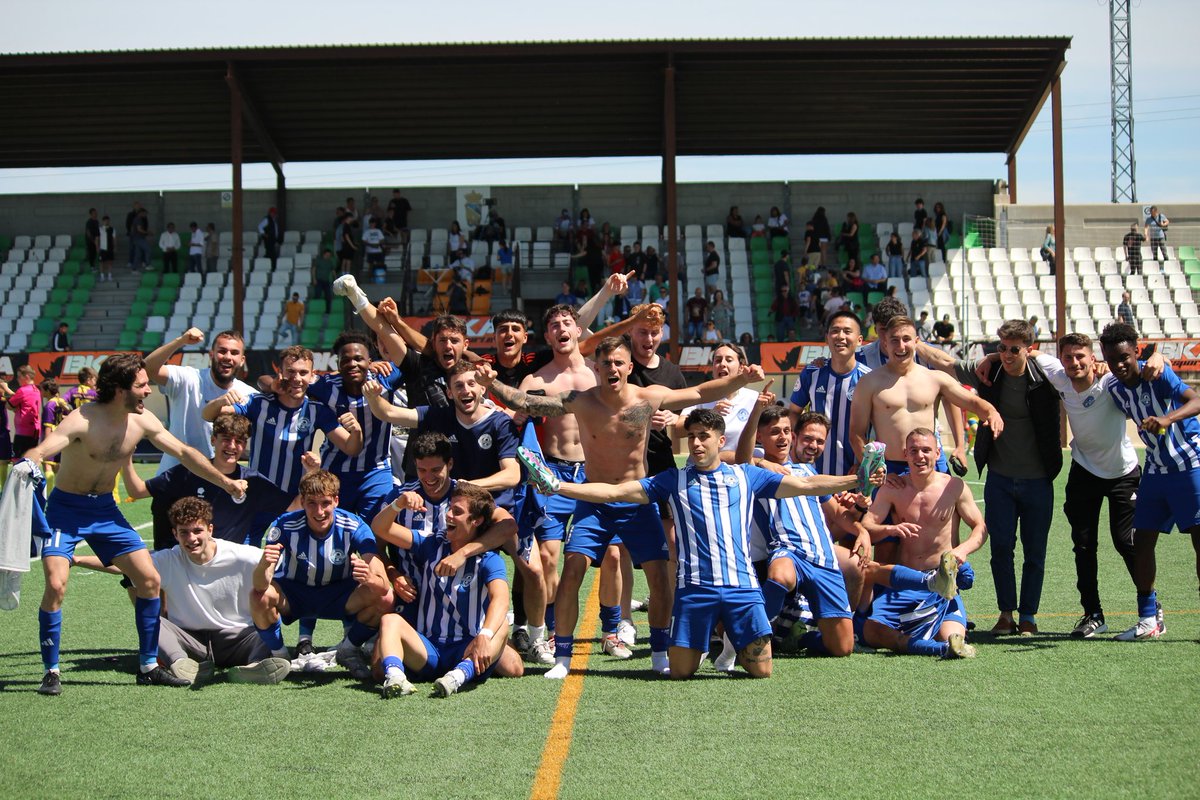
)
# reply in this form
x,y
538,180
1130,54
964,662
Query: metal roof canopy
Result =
x,y
535,100
578,99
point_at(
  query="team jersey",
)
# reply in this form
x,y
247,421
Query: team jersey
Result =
x,y
828,392
529,363
1176,450
54,411
430,522
712,512
796,523
80,396
451,609
478,449
328,391
231,520
319,560
280,435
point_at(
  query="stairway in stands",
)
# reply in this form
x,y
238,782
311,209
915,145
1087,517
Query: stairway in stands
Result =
x,y
108,306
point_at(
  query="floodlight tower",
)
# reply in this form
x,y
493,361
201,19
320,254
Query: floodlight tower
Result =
x,y
1124,182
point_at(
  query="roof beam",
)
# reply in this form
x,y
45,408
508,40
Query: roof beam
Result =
x,y
250,112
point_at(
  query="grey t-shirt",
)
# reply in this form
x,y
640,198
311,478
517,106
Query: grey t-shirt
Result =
x,y
1014,452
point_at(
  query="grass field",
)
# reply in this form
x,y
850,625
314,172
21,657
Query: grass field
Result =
x,y
1040,717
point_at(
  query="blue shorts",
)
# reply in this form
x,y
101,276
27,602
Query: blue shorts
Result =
x,y
917,613
823,587
596,526
441,658
698,608
1166,501
315,602
364,493
558,509
901,467
94,518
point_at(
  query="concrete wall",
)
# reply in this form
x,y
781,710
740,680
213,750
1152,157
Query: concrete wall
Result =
x,y
1097,225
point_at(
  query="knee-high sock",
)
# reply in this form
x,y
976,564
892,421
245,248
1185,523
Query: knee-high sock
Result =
x,y
814,643
907,578
610,618
272,637
927,647
49,637
146,611
774,593
358,633
307,626
550,618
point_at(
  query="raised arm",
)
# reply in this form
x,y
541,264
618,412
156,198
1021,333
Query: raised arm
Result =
x,y
348,436
953,392
156,362
501,531
533,404
385,410
880,510
56,440
615,285
221,405
745,444
385,527
627,492
709,391
796,485
377,319
190,457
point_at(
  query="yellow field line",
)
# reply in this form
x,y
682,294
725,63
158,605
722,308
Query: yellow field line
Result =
x,y
558,741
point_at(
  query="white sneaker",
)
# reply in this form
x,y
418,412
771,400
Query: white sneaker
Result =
x,y
192,671
616,648
557,672
350,656
660,663
626,632
542,652
396,685
347,287
449,683
1146,628
266,672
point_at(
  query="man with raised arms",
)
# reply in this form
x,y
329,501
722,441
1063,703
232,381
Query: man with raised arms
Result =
x,y
95,442
712,503
918,610
614,424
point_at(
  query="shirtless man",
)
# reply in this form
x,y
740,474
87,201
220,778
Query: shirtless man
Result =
x,y
918,610
901,396
96,441
614,425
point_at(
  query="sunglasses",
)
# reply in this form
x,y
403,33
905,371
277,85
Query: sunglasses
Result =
x,y
1012,350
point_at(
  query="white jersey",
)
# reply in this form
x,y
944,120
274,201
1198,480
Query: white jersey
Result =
x,y
188,390
1098,442
210,596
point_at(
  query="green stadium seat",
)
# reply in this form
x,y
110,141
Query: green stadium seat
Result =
x,y
69,268
86,281
78,254
39,341
60,296
66,281
314,322
172,279
162,308
136,321
310,337
760,258
1194,281
1191,267
874,297
149,279
46,324
317,307
1186,253
5,243
152,340
52,310
72,313
80,295
128,340
758,243
145,295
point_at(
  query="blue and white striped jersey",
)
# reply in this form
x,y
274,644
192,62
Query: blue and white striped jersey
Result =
x,y
712,512
319,560
796,524
452,608
280,435
1177,450
478,449
830,393
430,522
328,391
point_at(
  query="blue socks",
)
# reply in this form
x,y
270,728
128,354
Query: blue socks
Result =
x,y
550,618
307,626
358,633
927,647
814,643
659,639
393,662
774,593
563,645
467,668
1147,604
49,637
272,637
610,617
907,578
146,613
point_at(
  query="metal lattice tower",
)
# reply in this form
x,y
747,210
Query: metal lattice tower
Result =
x,y
1124,182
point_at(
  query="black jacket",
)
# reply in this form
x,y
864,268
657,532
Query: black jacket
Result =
x,y
1044,408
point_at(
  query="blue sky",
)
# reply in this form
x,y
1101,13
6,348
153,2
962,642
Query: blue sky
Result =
x,y
1166,98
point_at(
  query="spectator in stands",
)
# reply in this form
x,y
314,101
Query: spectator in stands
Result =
x,y
456,242
918,256
942,227
614,257
212,247
292,318
1133,249
650,271
458,297
345,239
930,234
195,248
805,301
848,238
697,312
720,312
785,310
812,245
777,223
1156,232
352,210
322,277
635,261
711,334
659,291
895,256
591,255
374,212
26,405
852,279
824,234
923,330
608,235
581,289
563,228
836,302
139,242
270,235
919,214
943,331
712,269
373,240
60,343
504,263
131,218
566,297
169,243
1048,248
759,229
745,340
398,210
783,273
875,275
339,215
1125,311
735,226
91,236
107,244
494,228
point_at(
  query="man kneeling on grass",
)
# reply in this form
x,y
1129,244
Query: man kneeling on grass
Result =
x,y
918,610
712,503
322,563
206,583
460,633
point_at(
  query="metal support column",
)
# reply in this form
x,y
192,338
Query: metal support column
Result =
x,y
674,307
1124,180
1060,233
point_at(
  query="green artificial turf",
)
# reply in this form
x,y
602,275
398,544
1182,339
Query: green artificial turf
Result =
x,y
1046,716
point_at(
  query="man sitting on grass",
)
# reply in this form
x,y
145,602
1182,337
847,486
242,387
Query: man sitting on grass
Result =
x,y
460,632
206,586
320,562
918,610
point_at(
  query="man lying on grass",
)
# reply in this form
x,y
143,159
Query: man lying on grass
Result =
x,y
918,610
712,503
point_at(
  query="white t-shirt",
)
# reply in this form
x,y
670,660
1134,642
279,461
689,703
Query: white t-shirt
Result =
x,y
1099,443
196,243
168,241
373,238
735,418
212,596
188,390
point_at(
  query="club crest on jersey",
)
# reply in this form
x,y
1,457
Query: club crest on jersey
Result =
x,y
1088,402
337,557
730,479
485,441
303,425
743,414
467,579
273,534
199,491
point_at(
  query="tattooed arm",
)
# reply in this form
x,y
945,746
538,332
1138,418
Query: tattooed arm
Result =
x,y
532,404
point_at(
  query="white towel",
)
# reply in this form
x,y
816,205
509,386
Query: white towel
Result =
x,y
16,531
